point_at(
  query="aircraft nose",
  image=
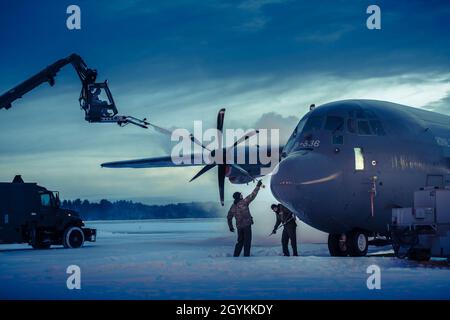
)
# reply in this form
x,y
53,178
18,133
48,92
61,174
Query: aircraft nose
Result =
x,y
303,179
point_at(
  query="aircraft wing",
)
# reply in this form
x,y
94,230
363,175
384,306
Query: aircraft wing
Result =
x,y
157,162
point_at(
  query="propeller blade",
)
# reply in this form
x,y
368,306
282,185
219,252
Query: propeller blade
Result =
x,y
245,137
194,140
203,170
221,181
220,118
169,133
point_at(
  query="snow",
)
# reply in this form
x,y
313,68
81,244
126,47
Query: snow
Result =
x,y
191,259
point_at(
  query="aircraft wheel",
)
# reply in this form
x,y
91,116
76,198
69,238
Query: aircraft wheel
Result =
x,y
358,244
337,245
73,237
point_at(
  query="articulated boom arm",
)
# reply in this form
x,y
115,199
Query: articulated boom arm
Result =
x,y
95,98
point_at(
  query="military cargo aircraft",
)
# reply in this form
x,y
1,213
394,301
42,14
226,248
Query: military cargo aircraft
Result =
x,y
345,167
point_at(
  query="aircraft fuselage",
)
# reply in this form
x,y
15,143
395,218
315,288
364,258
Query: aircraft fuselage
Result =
x,y
348,163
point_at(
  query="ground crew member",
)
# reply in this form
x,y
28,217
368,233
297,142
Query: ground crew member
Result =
x,y
240,211
286,218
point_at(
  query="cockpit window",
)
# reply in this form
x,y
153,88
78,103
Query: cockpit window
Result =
x,y
313,124
299,128
377,128
364,122
294,137
363,128
334,123
370,114
351,125
362,114
304,130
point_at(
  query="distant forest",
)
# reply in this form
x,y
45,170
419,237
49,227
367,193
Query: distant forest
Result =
x,y
128,210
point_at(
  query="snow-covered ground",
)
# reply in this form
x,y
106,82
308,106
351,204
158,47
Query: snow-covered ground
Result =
x,y
191,259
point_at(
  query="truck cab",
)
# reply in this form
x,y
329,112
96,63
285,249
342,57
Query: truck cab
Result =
x,y
31,214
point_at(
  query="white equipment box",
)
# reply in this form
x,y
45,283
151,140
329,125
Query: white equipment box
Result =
x,y
434,199
424,230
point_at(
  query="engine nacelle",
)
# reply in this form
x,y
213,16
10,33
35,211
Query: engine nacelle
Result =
x,y
235,176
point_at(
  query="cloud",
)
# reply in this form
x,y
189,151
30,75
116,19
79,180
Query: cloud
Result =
x,y
257,5
273,120
56,147
442,106
249,98
324,36
258,19
255,24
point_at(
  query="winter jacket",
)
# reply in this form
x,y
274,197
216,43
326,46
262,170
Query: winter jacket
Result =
x,y
284,216
241,212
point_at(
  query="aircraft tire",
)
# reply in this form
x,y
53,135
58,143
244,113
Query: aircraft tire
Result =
x,y
357,243
336,246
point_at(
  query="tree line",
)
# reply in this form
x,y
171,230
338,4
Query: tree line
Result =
x,y
129,210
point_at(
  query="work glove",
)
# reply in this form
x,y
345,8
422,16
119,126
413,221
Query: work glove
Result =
x,y
259,184
231,229
274,231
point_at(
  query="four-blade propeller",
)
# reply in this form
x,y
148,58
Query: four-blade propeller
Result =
x,y
221,164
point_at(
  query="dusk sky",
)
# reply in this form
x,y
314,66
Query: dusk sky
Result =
x,y
178,61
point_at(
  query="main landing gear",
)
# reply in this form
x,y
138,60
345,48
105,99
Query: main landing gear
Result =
x,y
354,244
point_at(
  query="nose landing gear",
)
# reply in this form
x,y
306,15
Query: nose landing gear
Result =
x,y
354,243
337,245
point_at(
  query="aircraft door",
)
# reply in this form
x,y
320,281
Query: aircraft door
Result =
x,y
366,168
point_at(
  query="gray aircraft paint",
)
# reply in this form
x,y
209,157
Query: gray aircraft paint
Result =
x,y
322,186
316,177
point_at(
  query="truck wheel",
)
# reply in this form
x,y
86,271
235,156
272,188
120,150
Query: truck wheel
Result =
x,y
337,245
358,244
37,241
73,237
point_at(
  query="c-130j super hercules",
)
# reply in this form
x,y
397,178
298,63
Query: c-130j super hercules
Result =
x,y
347,165
95,97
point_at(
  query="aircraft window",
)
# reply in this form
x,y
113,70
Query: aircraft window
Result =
x,y
334,123
292,140
351,125
377,127
338,139
370,114
300,127
360,114
359,159
45,200
313,124
363,128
